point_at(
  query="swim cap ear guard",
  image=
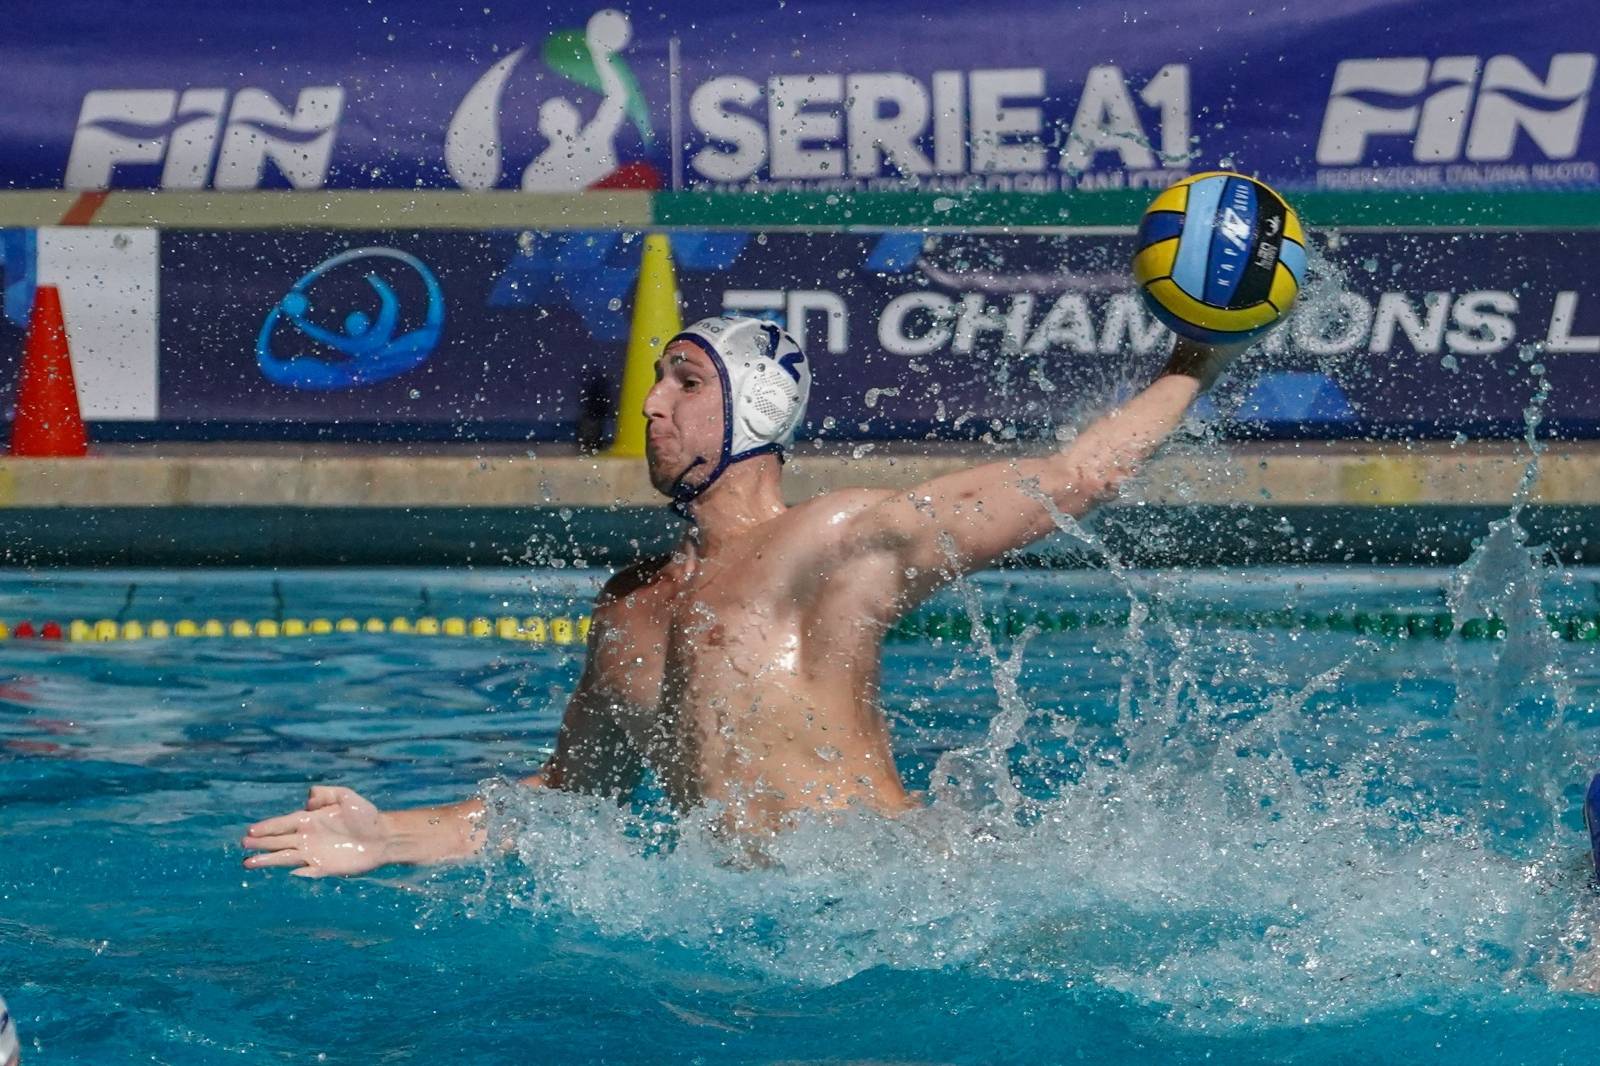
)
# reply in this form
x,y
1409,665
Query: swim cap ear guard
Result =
x,y
766,383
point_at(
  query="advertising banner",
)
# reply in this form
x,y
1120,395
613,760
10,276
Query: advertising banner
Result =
x,y
373,329
812,94
521,335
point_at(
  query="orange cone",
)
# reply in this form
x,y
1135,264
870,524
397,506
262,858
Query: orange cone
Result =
x,y
48,421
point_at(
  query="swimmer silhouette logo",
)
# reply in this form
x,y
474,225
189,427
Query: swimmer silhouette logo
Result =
x,y
577,154
299,349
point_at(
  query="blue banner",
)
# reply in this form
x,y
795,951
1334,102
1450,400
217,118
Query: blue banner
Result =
x,y
747,94
381,331
521,335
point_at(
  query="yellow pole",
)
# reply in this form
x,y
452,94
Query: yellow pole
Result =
x,y
655,319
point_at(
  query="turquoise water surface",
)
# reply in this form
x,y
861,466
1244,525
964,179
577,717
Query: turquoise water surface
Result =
x,y
1175,834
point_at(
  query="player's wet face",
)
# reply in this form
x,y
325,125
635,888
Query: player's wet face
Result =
x,y
683,415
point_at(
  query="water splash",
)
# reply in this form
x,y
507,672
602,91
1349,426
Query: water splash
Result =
x,y
1511,693
976,778
1261,831
1244,846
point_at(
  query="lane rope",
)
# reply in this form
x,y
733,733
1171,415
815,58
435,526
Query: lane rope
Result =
x,y
534,629
933,624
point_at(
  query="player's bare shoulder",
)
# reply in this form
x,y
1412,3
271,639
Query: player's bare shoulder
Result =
x,y
632,609
628,636
832,566
826,551
839,506
850,522
828,521
633,584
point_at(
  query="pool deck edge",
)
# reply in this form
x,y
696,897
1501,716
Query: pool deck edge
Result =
x,y
1298,474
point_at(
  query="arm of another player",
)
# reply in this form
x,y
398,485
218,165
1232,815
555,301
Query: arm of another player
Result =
x,y
339,832
964,521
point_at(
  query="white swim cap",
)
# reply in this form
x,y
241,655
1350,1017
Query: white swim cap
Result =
x,y
766,382
10,1052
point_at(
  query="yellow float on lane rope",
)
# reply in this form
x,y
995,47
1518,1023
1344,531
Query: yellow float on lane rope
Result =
x,y
532,629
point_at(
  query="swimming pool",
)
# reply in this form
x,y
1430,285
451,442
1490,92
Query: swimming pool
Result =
x,y
1235,831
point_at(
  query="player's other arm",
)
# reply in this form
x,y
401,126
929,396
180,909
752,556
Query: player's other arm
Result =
x,y
966,520
593,754
339,832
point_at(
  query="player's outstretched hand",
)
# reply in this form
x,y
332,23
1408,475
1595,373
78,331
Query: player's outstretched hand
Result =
x,y
338,833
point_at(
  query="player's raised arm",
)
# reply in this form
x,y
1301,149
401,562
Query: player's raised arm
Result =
x,y
964,521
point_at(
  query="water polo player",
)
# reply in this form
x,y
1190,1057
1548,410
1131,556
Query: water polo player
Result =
x,y
742,669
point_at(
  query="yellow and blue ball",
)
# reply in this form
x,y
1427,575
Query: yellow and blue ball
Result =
x,y
1220,257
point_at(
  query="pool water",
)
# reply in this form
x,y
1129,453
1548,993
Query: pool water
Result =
x,y
1151,840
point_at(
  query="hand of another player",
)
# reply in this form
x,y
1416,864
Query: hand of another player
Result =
x,y
338,833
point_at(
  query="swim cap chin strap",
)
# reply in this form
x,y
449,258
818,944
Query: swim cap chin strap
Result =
x,y
765,386
681,491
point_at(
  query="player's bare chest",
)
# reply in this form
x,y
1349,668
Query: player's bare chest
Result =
x,y
720,609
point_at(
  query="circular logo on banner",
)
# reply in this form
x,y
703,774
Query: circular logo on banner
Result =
x,y
357,319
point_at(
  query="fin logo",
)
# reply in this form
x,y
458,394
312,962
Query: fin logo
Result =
x,y
577,154
201,140
365,346
1456,107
